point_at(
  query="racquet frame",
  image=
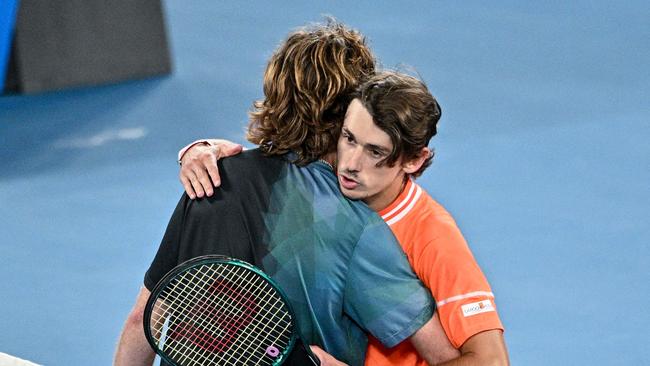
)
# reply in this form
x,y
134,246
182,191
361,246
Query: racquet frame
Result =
x,y
206,260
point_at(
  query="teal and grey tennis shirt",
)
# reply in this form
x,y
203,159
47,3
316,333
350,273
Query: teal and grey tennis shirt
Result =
x,y
337,261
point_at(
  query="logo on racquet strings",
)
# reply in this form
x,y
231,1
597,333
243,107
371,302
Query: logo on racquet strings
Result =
x,y
217,317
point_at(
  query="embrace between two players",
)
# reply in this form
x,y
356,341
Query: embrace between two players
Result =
x,y
332,131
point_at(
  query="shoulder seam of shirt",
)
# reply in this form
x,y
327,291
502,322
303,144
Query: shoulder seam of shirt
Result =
x,y
401,204
408,208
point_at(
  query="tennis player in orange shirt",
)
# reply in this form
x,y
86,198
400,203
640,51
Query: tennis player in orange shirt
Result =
x,y
383,146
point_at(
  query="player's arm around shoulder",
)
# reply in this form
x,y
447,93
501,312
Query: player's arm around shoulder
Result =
x,y
487,348
432,343
199,173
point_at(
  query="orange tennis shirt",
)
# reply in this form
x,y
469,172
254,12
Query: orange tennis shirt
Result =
x,y
442,260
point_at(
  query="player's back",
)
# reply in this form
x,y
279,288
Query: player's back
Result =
x,y
335,259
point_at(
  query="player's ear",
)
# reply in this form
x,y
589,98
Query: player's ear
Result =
x,y
415,164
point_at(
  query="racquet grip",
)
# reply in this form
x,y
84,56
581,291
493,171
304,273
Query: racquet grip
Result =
x,y
301,356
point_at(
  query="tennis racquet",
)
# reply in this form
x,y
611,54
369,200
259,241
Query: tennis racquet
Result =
x,y
215,310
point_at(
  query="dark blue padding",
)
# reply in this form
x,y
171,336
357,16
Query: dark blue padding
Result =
x,y
62,44
7,21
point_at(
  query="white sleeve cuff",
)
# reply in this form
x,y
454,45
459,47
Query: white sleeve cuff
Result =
x,y
184,150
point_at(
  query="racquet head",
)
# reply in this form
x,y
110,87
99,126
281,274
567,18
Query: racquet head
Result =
x,y
214,310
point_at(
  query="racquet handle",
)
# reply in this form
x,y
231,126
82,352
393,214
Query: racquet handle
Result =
x,y
301,356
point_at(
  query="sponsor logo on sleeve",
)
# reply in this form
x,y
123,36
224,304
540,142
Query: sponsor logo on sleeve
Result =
x,y
477,308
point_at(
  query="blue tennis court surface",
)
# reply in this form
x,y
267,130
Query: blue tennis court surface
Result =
x,y
542,157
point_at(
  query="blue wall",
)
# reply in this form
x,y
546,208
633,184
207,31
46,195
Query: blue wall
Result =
x,y
8,12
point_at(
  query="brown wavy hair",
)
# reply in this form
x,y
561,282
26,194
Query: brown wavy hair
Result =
x,y
307,87
402,106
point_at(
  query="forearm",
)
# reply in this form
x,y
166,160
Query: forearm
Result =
x,y
432,343
133,349
468,359
471,359
484,349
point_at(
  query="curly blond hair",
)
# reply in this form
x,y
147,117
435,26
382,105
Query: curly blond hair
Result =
x,y
307,87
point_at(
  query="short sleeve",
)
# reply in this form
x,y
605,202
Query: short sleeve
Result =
x,y
465,300
382,293
167,256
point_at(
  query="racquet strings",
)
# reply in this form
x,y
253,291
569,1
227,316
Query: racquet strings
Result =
x,y
221,314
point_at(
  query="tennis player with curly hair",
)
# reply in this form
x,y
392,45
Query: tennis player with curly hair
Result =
x,y
382,149
280,208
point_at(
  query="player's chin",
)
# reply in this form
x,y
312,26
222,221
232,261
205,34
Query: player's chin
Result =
x,y
352,194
